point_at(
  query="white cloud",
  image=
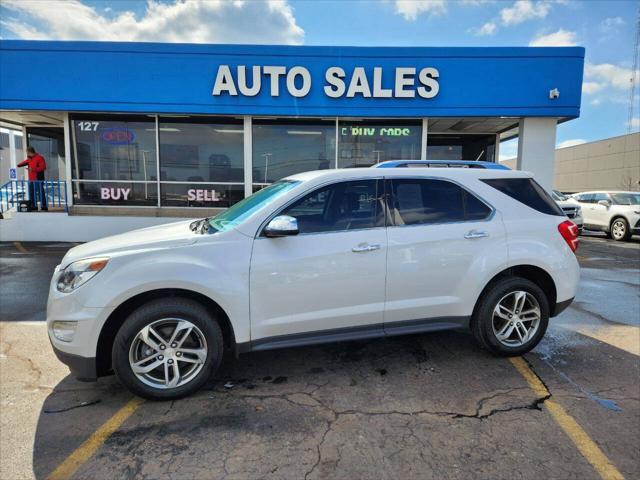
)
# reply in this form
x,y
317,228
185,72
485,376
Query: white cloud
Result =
x,y
410,9
524,10
476,3
611,23
561,38
488,28
608,75
591,87
193,21
571,143
635,123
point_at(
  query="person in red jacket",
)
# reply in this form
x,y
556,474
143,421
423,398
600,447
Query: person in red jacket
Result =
x,y
36,165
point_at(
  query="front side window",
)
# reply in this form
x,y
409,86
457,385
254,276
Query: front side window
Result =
x,y
599,196
428,201
339,207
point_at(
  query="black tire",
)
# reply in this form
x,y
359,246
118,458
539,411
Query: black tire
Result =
x,y
481,322
622,225
179,308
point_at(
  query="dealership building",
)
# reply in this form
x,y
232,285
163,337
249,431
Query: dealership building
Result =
x,y
139,133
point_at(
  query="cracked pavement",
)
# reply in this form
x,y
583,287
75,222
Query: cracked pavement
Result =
x,y
430,406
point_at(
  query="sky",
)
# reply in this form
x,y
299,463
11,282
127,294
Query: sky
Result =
x,y
607,29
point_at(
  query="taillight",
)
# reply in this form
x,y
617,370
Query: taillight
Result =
x,y
569,232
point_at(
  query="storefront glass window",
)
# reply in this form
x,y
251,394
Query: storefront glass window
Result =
x,y
461,147
114,160
201,161
122,194
114,148
362,143
286,147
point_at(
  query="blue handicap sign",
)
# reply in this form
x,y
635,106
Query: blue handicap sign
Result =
x,y
13,174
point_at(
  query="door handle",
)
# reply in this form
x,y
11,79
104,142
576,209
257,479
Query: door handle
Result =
x,y
475,234
365,247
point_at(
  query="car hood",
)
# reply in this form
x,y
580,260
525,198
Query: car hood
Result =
x,y
566,203
150,238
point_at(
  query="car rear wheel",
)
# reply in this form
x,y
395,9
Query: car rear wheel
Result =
x,y
167,349
620,230
512,317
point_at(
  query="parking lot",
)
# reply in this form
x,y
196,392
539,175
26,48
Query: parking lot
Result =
x,y
430,406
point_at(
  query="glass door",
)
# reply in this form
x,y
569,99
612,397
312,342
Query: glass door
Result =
x,y
49,142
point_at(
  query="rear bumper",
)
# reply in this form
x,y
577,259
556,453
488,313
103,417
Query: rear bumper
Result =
x,y
561,307
83,368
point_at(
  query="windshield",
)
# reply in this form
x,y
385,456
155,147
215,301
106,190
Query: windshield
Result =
x,y
626,198
558,197
238,213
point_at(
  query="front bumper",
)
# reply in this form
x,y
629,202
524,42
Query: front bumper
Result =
x,y
80,354
83,368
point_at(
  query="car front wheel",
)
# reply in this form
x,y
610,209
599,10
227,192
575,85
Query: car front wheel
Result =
x,y
620,230
167,349
512,317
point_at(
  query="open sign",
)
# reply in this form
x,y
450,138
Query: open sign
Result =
x,y
117,136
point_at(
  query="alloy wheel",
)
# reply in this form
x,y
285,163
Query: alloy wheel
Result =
x,y
168,353
516,318
618,229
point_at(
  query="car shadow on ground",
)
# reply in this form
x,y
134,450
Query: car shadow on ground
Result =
x,y
358,374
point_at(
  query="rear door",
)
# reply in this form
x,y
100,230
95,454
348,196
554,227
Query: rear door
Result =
x,y
441,241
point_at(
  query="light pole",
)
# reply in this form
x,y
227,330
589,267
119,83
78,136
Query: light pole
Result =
x,y
266,156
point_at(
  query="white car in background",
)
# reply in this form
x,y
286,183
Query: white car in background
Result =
x,y
569,207
615,213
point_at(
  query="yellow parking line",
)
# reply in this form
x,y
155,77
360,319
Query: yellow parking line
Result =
x,y
587,447
20,248
90,446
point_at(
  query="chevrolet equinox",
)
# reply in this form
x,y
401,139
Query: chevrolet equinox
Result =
x,y
318,257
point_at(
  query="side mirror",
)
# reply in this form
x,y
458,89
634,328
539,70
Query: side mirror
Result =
x,y
604,203
281,226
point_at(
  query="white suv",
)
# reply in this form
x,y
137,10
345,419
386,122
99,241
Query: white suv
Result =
x,y
615,213
569,207
318,257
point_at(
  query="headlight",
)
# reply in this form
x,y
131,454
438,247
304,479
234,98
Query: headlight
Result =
x,y
79,273
579,211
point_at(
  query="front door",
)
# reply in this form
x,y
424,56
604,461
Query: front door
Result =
x,y
330,276
599,214
441,240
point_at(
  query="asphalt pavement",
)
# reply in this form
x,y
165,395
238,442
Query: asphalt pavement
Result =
x,y
430,406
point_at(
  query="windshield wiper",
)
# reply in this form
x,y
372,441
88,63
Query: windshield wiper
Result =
x,y
200,226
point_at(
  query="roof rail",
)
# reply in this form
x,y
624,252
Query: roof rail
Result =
x,y
441,163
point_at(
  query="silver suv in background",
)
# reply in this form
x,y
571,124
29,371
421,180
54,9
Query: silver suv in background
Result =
x,y
569,207
615,213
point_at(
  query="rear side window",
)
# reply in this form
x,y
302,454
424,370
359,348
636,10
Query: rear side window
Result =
x,y
426,201
527,191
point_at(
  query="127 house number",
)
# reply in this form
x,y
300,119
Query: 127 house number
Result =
x,y
88,126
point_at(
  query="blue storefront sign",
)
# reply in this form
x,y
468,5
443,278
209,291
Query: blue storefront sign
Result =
x,y
292,81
